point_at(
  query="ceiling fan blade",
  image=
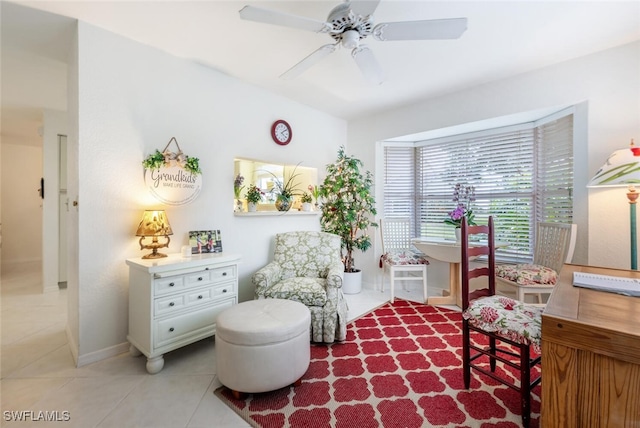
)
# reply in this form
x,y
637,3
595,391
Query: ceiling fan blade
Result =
x,y
268,16
421,30
309,61
364,7
368,64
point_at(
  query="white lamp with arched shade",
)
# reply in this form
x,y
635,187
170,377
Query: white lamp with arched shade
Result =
x,y
622,169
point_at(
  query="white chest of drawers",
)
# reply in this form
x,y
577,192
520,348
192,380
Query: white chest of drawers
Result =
x,y
174,301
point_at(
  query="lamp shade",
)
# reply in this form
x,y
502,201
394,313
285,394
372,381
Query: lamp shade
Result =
x,y
622,168
154,223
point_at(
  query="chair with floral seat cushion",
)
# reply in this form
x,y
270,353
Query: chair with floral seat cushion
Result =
x,y
513,328
307,268
399,256
554,244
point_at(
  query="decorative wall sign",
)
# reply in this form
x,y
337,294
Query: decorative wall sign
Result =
x,y
173,178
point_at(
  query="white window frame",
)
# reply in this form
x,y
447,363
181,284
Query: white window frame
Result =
x,y
542,151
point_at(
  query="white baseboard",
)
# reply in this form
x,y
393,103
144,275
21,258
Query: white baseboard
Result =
x,y
73,347
102,354
93,357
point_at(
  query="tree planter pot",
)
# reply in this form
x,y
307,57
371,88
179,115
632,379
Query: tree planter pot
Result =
x,y
352,283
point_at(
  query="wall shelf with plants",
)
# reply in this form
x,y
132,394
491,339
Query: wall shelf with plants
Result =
x,y
267,189
276,213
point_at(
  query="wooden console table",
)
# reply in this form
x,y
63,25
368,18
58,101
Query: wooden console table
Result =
x,y
590,355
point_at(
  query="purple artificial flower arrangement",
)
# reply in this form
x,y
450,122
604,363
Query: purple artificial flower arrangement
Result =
x,y
464,196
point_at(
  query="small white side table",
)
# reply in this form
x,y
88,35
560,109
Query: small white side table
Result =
x,y
174,301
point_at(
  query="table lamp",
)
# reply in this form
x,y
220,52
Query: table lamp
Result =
x,y
622,169
154,224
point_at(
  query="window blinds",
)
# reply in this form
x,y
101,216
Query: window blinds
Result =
x,y
521,174
399,182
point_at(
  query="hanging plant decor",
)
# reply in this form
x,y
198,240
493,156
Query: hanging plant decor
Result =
x,y
154,161
169,158
173,177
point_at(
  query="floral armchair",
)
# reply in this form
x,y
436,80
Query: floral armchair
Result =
x,y
307,268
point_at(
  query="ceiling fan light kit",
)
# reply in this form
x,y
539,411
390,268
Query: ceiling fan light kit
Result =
x,y
350,39
348,24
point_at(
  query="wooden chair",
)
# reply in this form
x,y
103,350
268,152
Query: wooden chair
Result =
x,y
554,247
399,257
512,327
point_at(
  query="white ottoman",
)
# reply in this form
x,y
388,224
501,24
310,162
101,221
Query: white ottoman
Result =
x,y
262,345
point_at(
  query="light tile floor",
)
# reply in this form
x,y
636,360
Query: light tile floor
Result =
x,y
38,374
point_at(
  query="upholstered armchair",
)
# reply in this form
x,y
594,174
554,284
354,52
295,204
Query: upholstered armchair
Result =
x,y
307,268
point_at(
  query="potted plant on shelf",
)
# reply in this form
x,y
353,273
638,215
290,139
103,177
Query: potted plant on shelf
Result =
x,y
315,192
285,189
254,195
306,200
237,189
347,208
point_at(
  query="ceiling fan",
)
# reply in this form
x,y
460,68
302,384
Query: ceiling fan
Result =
x,y
349,24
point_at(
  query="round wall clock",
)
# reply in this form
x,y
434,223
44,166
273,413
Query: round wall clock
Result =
x,y
281,132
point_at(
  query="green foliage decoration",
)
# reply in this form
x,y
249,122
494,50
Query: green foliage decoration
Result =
x,y
285,188
347,206
154,161
193,165
158,159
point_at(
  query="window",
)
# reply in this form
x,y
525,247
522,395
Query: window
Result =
x,y
522,174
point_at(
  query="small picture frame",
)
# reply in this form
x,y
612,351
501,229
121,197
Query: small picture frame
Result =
x,y
205,241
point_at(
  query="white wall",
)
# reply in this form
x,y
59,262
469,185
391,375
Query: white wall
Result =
x,y
131,100
606,87
21,204
73,230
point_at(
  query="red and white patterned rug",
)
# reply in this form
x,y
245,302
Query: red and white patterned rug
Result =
x,y
399,367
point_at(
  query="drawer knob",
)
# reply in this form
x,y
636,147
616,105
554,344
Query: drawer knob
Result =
x,y
171,284
171,329
199,278
224,274
224,290
171,304
200,297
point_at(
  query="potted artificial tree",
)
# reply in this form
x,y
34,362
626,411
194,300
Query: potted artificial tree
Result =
x,y
347,208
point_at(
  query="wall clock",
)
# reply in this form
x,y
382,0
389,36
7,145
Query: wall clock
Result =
x,y
281,132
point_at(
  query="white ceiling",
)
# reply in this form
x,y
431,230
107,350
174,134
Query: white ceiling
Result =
x,y
503,39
